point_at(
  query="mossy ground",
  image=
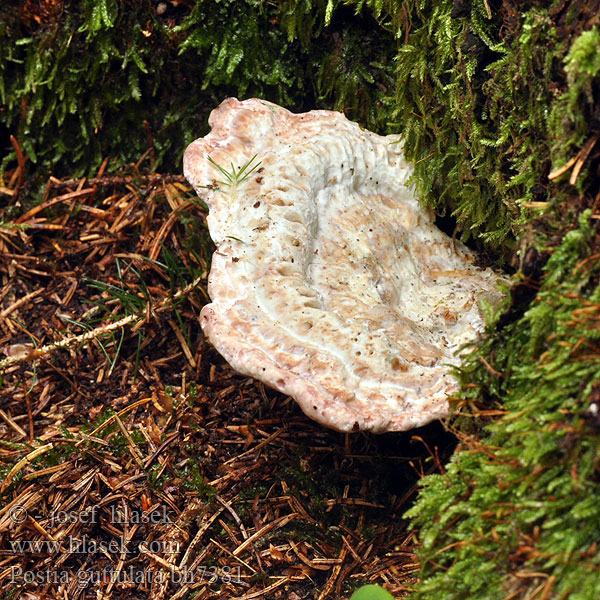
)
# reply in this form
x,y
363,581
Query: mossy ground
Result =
x,y
498,102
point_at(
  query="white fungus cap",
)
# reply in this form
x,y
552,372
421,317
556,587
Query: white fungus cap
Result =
x,y
329,282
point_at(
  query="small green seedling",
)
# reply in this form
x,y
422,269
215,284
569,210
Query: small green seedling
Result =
x,y
371,592
235,176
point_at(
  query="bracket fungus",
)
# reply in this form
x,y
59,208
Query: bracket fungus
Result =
x,y
329,282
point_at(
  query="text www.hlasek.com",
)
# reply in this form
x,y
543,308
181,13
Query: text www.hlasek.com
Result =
x,y
86,545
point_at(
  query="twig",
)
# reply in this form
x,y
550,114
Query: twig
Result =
x,y
334,575
548,587
235,516
263,593
24,461
585,152
276,524
163,232
27,498
40,207
67,342
489,367
113,418
20,302
257,447
133,449
94,333
21,167
7,191
12,423
558,172
203,528
488,10
160,449
183,343
116,180
29,417
579,158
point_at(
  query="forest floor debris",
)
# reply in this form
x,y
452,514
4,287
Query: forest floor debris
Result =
x,y
134,463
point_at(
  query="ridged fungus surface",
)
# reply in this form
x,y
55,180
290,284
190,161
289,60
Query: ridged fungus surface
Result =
x,y
330,282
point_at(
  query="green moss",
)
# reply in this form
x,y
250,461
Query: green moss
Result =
x,y
105,78
467,107
577,107
194,481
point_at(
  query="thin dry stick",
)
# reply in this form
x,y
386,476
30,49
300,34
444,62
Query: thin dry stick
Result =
x,y
273,586
235,516
20,431
198,537
24,461
585,152
258,446
94,333
133,449
114,180
21,163
111,419
64,198
67,342
564,168
334,575
20,302
276,524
